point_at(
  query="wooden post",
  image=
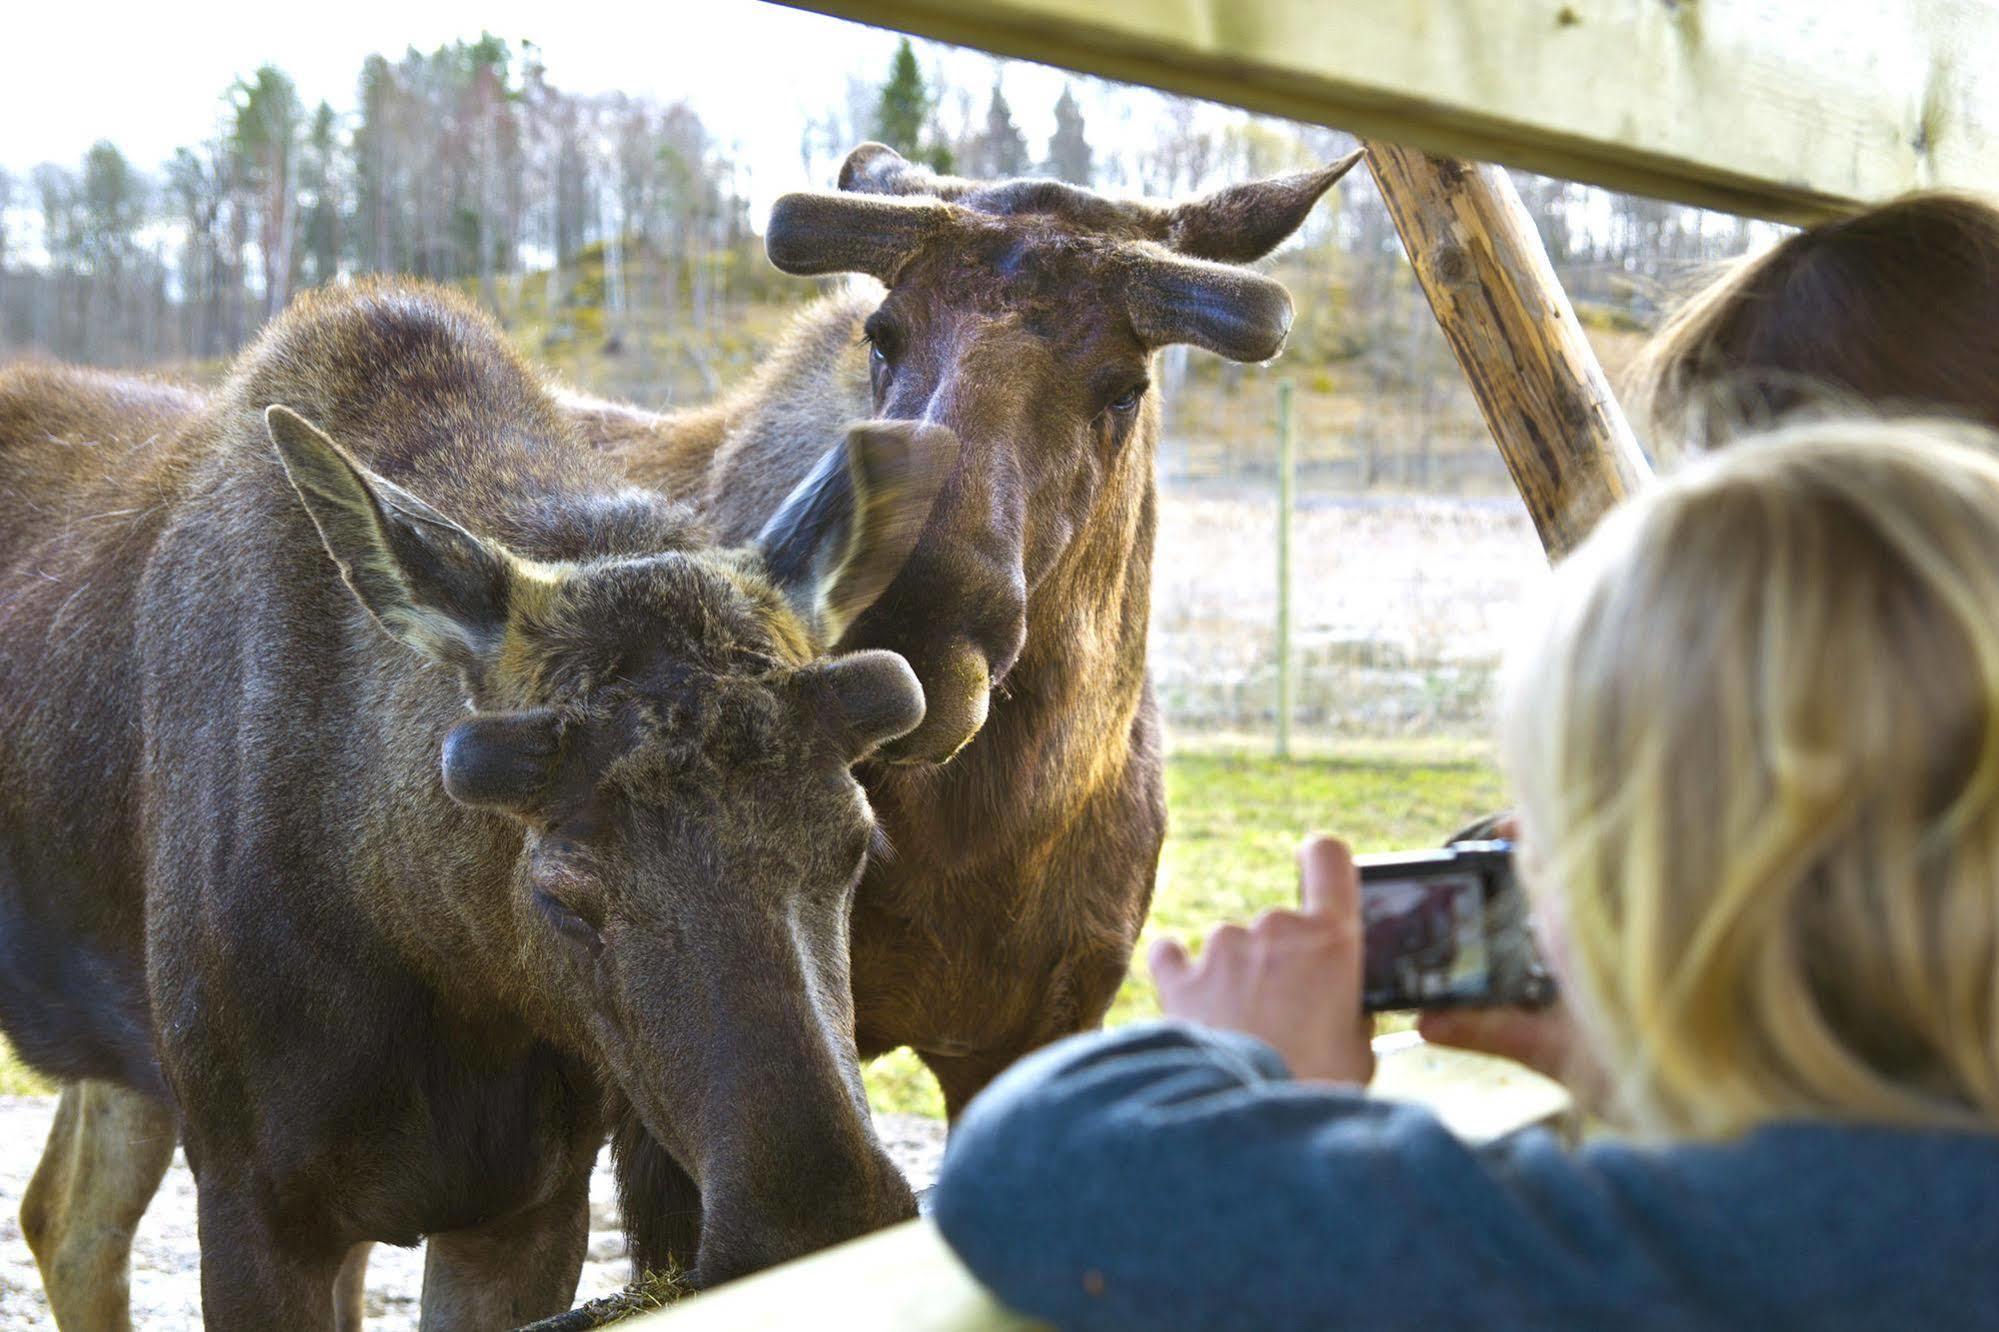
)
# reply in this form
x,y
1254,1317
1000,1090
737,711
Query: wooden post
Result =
x,y
1287,468
1538,384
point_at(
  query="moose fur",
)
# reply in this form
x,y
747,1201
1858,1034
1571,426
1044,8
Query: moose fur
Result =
x,y
399,965
1024,316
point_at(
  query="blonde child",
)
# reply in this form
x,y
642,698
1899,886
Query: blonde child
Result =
x,y
1754,738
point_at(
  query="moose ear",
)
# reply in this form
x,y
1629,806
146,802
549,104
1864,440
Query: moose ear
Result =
x,y
841,536
876,694
876,168
501,760
1243,223
426,580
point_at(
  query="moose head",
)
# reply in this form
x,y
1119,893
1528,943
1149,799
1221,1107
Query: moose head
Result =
x,y
658,752
1023,315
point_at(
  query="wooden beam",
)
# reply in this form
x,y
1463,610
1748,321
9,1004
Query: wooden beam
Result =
x,y
1538,384
1791,109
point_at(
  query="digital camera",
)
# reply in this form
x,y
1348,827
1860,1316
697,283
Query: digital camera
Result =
x,y
1448,928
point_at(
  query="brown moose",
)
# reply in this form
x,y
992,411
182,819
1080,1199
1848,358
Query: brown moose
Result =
x,y
1024,316
409,873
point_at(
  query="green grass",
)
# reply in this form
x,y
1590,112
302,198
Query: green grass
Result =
x,y
1235,820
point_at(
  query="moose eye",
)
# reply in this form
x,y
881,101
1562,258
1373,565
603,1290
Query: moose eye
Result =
x,y
567,922
1128,403
876,356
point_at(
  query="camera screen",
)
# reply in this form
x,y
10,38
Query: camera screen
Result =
x,y
1425,941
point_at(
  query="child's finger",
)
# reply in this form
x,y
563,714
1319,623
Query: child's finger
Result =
x,y
1328,883
1168,960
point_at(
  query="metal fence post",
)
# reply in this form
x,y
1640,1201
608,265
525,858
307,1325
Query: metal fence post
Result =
x,y
1286,488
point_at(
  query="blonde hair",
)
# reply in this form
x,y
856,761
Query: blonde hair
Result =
x,y
1756,744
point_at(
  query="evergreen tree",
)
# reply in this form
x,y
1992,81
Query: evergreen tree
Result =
x,y
1068,150
1003,147
904,107
320,185
110,205
370,237
113,205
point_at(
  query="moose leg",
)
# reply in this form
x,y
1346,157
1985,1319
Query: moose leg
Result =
x,y
350,1289
1078,1003
107,1151
511,1272
961,1077
252,1273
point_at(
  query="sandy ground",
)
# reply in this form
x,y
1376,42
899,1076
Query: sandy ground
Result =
x,y
1399,605
166,1282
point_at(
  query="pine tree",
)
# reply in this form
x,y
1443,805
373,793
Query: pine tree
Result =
x,y
904,107
113,205
1068,150
320,184
1003,147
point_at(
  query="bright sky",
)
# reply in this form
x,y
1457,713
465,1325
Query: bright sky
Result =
x,y
150,77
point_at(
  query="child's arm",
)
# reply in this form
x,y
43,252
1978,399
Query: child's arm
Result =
x,y
1170,1176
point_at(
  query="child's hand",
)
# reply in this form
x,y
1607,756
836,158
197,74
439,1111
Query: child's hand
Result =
x,y
1544,1039
1292,979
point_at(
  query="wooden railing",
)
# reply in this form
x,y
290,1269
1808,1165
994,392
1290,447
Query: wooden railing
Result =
x,y
1791,109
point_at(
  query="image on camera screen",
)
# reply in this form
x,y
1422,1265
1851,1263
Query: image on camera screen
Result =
x,y
1425,940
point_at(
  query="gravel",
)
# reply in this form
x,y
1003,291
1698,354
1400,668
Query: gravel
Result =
x,y
166,1260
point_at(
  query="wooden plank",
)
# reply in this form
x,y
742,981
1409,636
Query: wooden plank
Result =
x,y
1538,384
906,1278
1792,109
1479,1097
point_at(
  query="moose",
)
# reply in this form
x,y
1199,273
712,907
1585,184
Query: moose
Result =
x,y
1024,316
413,801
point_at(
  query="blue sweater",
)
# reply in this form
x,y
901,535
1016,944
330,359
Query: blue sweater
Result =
x,y
1167,1177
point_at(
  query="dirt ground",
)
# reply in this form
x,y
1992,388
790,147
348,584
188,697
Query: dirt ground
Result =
x,y
166,1279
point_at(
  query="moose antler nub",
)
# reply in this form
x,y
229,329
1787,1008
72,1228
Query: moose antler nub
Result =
x,y
812,234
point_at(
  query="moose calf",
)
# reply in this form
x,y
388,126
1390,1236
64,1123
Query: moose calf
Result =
x,y
418,803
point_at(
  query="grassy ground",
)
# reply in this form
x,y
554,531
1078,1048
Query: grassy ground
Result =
x,y
1236,819
16,1078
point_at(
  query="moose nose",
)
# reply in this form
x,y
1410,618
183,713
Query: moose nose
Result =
x,y
748,1224
957,691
